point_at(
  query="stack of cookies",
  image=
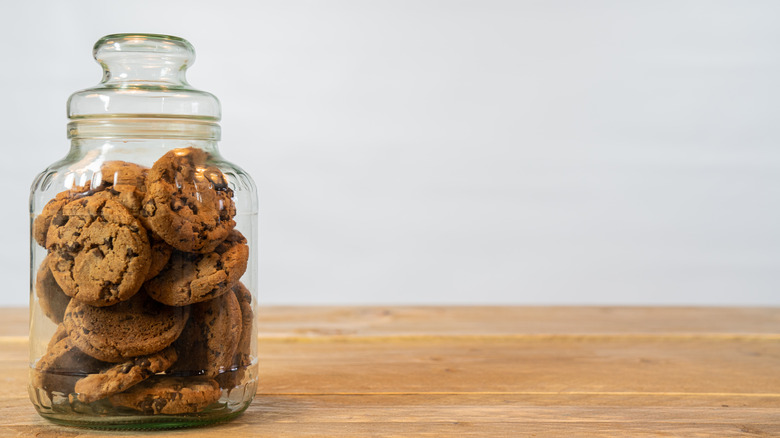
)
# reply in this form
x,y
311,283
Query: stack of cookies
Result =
x,y
142,278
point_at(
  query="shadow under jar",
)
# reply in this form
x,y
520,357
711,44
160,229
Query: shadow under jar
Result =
x,y
143,253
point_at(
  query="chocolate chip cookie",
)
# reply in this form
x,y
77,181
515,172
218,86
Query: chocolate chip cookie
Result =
x,y
61,366
43,220
122,376
161,253
60,333
243,355
100,253
191,278
51,298
188,202
208,343
114,173
169,395
128,195
123,182
137,327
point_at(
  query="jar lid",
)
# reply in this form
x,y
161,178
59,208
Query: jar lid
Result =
x,y
143,76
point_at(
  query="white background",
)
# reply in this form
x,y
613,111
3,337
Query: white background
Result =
x,y
440,151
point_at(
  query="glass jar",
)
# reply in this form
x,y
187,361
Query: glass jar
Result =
x,y
143,253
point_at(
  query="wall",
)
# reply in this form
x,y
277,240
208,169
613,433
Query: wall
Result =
x,y
438,151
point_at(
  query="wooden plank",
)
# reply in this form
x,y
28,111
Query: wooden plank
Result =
x,y
656,366
653,367
492,320
313,321
555,365
419,415
400,377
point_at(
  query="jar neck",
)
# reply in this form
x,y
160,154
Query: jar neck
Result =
x,y
151,128
143,151
149,145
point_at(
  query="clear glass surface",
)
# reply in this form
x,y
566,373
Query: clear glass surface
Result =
x,y
137,316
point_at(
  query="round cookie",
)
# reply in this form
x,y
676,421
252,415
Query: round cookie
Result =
x,y
100,253
51,298
188,202
208,343
192,278
128,195
61,366
161,253
169,395
137,327
43,220
243,355
60,333
121,376
114,173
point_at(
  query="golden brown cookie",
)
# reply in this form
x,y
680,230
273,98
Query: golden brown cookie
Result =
x,y
61,366
100,253
128,195
169,395
59,334
123,182
115,173
188,202
161,253
119,377
137,327
51,298
43,220
243,355
192,278
208,343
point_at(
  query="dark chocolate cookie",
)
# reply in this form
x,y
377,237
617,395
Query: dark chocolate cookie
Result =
x,y
100,253
43,220
119,377
243,355
61,366
137,327
169,395
208,343
191,278
188,202
51,298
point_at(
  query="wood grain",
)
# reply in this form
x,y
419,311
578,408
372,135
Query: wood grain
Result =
x,y
317,321
513,371
491,320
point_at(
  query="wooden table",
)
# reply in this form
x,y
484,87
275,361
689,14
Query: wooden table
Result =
x,y
484,371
